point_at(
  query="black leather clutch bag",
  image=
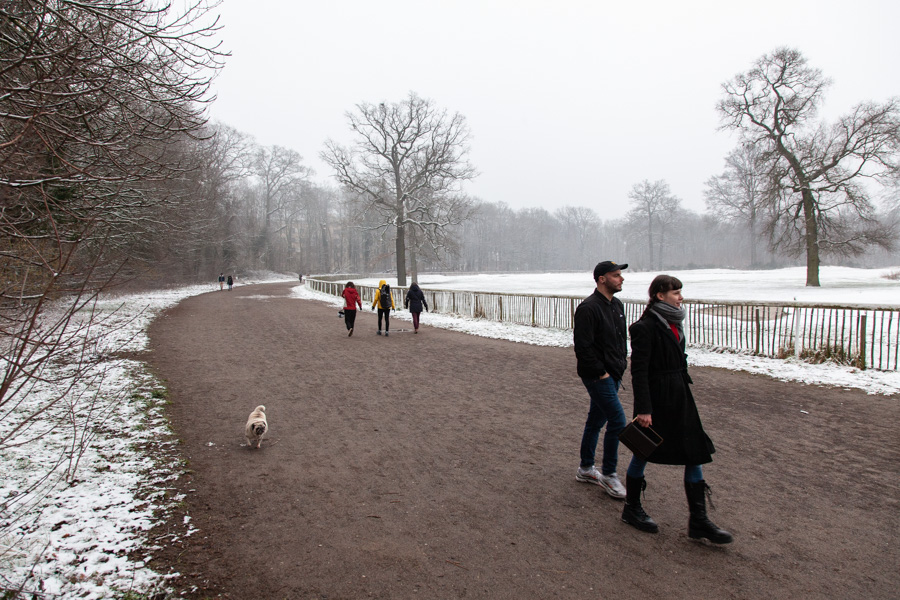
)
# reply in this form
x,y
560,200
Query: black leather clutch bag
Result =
x,y
640,440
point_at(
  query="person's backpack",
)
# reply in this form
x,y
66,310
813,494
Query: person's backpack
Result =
x,y
384,299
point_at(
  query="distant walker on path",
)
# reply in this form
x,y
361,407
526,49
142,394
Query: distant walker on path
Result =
x,y
415,300
351,301
384,300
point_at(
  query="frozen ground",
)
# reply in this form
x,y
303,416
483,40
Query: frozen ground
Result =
x,y
78,537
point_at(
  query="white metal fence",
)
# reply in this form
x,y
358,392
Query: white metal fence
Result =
x,y
862,335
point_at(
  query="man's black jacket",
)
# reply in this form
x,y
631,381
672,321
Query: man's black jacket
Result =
x,y
600,337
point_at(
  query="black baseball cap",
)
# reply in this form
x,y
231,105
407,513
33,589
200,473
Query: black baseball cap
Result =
x,y
607,266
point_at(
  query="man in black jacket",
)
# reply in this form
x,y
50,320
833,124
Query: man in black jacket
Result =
x,y
601,350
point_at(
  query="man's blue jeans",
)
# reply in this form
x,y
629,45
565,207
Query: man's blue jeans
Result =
x,y
605,410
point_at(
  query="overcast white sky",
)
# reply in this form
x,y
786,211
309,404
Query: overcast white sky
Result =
x,y
569,102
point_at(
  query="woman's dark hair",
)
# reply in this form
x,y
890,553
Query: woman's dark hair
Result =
x,y
350,285
660,285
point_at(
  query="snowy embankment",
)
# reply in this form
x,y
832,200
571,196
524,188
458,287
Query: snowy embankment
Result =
x,y
84,538
90,475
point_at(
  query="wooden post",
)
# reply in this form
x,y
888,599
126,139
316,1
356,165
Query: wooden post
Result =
x,y
758,330
862,341
500,301
797,334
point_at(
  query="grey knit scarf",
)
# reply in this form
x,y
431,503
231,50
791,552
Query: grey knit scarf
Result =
x,y
667,313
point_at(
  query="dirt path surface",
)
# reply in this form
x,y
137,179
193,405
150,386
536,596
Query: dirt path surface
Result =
x,y
441,465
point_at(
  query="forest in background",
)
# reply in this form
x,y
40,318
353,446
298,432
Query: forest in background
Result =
x,y
262,212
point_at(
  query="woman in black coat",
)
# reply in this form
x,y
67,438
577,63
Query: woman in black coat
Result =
x,y
663,399
415,300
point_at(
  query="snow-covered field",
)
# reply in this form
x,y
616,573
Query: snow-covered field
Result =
x,y
838,284
78,537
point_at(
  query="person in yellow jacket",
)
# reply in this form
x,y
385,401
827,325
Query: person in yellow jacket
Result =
x,y
384,300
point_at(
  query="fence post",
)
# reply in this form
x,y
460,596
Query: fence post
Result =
x,y
500,300
758,329
862,341
797,335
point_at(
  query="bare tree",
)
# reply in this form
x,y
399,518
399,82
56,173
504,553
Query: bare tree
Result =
x,y
280,172
739,194
224,157
97,100
652,203
582,227
820,203
406,164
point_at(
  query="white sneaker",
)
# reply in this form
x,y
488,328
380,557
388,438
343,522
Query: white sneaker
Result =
x,y
589,475
612,486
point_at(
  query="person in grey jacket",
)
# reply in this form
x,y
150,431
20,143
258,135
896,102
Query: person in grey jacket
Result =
x,y
601,350
415,300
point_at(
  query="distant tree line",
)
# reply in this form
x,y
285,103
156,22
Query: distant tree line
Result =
x,y
265,214
254,208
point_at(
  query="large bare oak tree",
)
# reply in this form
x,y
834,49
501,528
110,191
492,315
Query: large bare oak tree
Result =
x,y
817,171
406,163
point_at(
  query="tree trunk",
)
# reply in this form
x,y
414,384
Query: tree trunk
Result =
x,y
267,239
413,264
401,256
659,249
812,239
326,250
650,237
752,239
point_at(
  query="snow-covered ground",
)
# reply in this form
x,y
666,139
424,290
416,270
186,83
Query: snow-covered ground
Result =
x,y
78,537
77,526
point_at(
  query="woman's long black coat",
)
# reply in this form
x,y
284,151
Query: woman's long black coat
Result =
x,y
660,382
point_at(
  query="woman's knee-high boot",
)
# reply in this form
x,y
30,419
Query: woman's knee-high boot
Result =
x,y
699,525
633,513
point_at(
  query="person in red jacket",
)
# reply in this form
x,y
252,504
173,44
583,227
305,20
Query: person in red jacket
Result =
x,y
351,301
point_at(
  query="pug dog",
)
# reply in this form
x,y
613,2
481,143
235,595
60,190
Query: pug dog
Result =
x,y
257,426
